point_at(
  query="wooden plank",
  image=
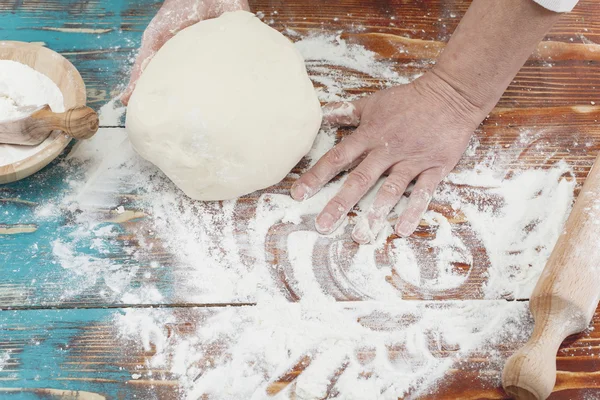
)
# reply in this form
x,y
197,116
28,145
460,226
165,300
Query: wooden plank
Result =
x,y
84,351
36,278
36,281
578,363
550,103
100,38
43,358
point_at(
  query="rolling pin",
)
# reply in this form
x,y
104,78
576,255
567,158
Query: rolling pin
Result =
x,y
564,299
80,123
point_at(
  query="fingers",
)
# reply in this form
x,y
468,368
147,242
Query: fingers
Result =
x,y
332,163
343,113
340,114
388,196
141,61
154,38
243,5
338,159
166,24
418,202
354,188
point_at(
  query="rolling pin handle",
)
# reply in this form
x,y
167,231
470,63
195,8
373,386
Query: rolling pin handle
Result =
x,y
564,299
530,374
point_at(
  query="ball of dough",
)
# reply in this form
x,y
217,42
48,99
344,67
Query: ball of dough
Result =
x,y
225,108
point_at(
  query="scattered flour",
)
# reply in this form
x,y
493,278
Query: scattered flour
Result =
x,y
266,251
22,86
360,349
520,235
111,114
326,53
4,357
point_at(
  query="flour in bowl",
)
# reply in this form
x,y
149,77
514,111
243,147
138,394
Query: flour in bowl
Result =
x,y
22,86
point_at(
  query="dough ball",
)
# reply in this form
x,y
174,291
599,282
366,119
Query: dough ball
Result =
x,y
225,108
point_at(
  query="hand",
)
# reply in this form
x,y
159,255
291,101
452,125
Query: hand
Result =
x,y
415,131
172,17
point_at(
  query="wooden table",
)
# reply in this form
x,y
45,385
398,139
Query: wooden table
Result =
x,y
58,345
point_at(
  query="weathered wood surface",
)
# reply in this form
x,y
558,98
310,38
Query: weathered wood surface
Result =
x,y
564,133
553,98
70,350
100,37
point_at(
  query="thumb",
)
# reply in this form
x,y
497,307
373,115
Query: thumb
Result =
x,y
155,36
141,62
343,113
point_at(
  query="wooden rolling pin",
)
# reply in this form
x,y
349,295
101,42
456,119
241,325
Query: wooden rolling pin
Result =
x,y
80,123
564,299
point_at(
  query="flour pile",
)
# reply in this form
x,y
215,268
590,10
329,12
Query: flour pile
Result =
x,y
21,89
343,314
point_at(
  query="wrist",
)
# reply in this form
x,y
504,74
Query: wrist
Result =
x,y
448,99
469,85
489,46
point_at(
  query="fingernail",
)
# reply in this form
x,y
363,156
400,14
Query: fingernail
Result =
x,y
300,191
324,223
405,228
362,233
297,191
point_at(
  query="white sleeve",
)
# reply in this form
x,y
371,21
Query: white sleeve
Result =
x,y
557,5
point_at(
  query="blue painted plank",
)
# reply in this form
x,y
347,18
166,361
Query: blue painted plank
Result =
x,y
34,276
42,350
99,37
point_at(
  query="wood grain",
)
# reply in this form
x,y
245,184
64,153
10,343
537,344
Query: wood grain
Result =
x,y
549,113
70,350
564,300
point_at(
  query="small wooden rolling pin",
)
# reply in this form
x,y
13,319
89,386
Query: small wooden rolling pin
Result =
x,y
80,123
564,299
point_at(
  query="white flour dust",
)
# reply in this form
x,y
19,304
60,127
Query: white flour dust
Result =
x,y
362,350
22,87
325,54
111,114
520,236
4,357
265,250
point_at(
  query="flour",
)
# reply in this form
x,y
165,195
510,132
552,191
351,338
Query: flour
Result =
x,y
390,343
520,235
325,53
266,251
4,357
22,87
10,153
111,114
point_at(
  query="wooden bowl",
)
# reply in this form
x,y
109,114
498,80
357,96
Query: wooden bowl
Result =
x,y
70,83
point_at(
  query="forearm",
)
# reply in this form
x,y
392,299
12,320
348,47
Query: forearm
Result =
x,y
490,45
